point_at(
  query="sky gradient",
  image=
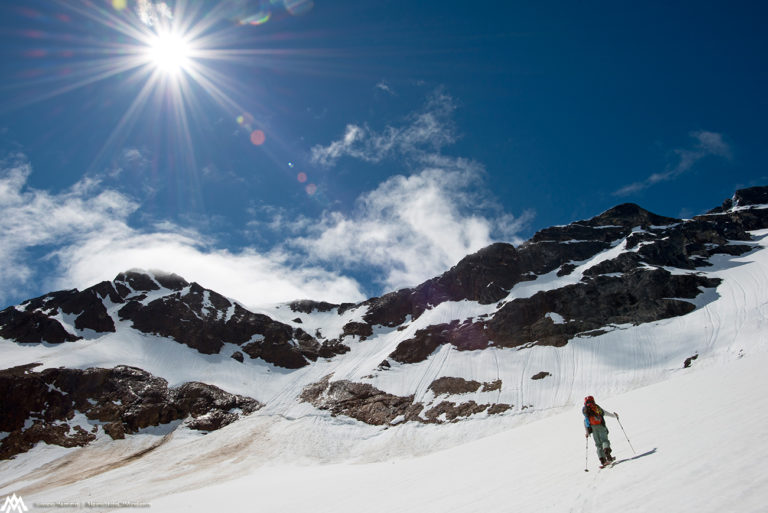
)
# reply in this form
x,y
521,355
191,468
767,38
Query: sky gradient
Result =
x,y
340,150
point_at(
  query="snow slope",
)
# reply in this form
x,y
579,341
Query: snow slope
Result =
x,y
700,443
699,432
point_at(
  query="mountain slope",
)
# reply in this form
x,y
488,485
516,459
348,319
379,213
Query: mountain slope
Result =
x,y
351,406
676,427
697,436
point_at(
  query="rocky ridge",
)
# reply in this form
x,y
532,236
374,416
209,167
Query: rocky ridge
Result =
x,y
626,266
167,306
43,406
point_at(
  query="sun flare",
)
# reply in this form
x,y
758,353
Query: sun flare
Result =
x,y
169,53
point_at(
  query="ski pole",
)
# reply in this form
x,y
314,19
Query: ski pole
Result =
x,y
586,453
625,435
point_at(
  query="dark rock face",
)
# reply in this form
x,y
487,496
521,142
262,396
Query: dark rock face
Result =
x,y
485,276
39,406
751,196
359,329
464,336
636,297
368,404
34,322
540,375
453,411
308,306
205,320
331,348
743,198
360,401
490,386
187,313
499,408
287,356
451,385
199,399
32,327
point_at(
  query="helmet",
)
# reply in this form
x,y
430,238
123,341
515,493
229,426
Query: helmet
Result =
x,y
589,399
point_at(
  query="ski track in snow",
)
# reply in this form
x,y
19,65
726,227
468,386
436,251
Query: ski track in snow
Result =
x,y
703,428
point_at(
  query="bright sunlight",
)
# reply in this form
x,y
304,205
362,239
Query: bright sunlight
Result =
x,y
169,53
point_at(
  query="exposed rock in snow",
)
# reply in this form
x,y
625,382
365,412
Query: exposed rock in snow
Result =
x,y
122,400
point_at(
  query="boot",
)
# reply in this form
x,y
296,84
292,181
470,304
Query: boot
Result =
x,y
608,454
603,462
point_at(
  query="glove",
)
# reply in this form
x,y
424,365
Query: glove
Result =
x,y
589,431
586,435
617,415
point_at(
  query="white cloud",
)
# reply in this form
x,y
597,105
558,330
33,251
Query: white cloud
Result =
x,y
410,228
36,218
706,144
425,132
150,13
383,86
85,238
247,276
413,228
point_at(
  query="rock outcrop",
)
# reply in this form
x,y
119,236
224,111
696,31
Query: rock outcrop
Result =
x,y
185,312
44,406
368,404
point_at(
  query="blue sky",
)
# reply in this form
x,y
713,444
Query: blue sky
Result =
x,y
283,149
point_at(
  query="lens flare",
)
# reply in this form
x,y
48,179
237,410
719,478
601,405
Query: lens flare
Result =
x,y
311,189
257,138
245,119
259,18
298,7
302,177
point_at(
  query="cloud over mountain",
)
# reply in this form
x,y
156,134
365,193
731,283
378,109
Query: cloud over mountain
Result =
x,y
706,144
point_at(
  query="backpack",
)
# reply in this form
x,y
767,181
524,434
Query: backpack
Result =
x,y
594,413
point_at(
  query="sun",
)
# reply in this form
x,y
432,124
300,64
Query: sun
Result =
x,y
170,53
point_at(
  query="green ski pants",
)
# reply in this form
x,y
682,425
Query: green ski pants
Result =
x,y
600,436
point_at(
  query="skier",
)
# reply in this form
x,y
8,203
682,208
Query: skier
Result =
x,y
594,421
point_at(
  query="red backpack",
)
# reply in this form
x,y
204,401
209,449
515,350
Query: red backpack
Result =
x,y
594,414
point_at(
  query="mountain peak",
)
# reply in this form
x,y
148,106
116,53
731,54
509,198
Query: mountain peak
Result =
x,y
751,196
630,215
141,280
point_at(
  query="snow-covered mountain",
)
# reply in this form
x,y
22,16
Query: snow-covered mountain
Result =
x,y
149,377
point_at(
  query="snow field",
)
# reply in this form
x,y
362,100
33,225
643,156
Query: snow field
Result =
x,y
700,442
699,437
